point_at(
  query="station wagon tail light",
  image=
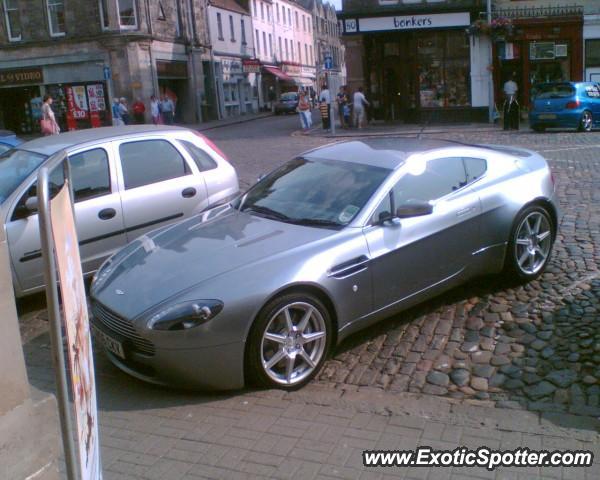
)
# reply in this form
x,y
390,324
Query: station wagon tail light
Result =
x,y
212,145
573,105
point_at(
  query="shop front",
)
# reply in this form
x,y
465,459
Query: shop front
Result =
x,y
236,94
538,50
76,104
173,83
418,67
274,82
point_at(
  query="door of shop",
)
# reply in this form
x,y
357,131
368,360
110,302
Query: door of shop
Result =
x,y
398,80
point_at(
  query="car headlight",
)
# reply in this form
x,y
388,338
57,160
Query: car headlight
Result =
x,y
184,316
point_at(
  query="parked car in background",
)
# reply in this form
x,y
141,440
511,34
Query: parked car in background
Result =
x,y
288,102
261,290
8,140
126,181
565,105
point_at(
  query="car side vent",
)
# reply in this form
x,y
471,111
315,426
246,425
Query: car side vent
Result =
x,y
349,267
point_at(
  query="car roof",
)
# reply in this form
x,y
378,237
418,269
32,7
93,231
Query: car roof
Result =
x,y
54,143
385,152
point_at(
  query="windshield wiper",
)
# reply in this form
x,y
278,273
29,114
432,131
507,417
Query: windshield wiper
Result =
x,y
317,222
267,212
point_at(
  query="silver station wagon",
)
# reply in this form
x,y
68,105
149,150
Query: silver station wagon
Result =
x,y
126,182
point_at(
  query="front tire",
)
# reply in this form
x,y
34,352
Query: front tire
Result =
x,y
587,121
530,244
289,342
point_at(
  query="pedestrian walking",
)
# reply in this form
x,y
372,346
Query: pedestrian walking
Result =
x,y
48,123
124,111
139,109
359,103
167,110
116,113
342,101
304,111
511,105
155,110
325,107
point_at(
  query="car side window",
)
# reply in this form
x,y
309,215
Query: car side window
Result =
x,y
441,177
201,158
90,173
55,183
150,161
475,167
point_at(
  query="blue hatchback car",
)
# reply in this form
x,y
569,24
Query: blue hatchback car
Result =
x,y
8,140
565,105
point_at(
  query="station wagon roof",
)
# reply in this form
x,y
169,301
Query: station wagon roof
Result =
x,y
381,152
54,143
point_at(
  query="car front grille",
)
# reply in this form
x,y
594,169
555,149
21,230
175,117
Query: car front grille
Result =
x,y
122,327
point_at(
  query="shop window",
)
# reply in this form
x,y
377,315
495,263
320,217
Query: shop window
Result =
x,y
56,17
443,69
127,14
13,20
231,28
243,28
220,26
167,163
202,159
104,21
161,12
90,173
592,53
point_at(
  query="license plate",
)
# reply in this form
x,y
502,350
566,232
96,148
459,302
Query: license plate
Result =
x,y
547,116
108,342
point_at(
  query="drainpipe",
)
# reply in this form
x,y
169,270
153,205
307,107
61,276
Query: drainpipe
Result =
x,y
491,82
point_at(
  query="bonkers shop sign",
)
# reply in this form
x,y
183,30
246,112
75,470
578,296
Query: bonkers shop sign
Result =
x,y
407,22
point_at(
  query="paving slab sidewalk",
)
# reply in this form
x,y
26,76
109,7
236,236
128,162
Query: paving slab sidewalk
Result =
x,y
317,432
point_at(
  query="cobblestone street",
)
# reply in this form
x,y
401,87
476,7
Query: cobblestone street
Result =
x,y
490,363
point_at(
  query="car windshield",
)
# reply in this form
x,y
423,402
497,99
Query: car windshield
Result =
x,y
553,90
289,96
15,166
319,193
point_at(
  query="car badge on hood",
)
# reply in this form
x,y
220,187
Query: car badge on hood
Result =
x,y
119,292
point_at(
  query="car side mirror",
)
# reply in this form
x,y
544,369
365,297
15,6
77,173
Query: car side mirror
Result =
x,y
417,209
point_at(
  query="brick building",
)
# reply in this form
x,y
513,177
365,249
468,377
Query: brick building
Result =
x,y
86,52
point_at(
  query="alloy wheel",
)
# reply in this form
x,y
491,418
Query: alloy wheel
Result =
x,y
293,343
586,121
533,242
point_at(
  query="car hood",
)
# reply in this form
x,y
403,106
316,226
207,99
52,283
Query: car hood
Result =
x,y
171,260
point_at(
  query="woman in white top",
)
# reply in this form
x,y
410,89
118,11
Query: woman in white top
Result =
x,y
48,122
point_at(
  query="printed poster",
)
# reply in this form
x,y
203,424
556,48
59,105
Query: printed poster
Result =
x,y
75,318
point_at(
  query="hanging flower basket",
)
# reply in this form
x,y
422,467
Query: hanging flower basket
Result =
x,y
498,28
478,27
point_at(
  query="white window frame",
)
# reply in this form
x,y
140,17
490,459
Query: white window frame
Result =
x,y
48,5
11,38
135,16
102,13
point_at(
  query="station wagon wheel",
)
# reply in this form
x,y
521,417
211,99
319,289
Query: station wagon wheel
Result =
x,y
587,121
530,244
289,342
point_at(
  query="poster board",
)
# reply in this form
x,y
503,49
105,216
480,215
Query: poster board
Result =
x,y
77,327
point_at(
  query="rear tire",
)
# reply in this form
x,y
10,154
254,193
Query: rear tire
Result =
x,y
289,342
530,244
587,121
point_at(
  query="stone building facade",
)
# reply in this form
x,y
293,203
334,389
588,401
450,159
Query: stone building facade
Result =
x,y
87,52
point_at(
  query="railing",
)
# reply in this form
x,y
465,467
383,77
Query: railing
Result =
x,y
536,12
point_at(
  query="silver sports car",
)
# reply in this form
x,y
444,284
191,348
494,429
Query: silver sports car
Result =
x,y
262,289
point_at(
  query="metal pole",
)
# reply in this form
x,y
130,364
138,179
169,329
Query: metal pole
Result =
x,y
491,82
333,104
54,313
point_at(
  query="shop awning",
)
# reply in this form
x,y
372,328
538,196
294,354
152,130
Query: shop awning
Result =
x,y
284,77
304,82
